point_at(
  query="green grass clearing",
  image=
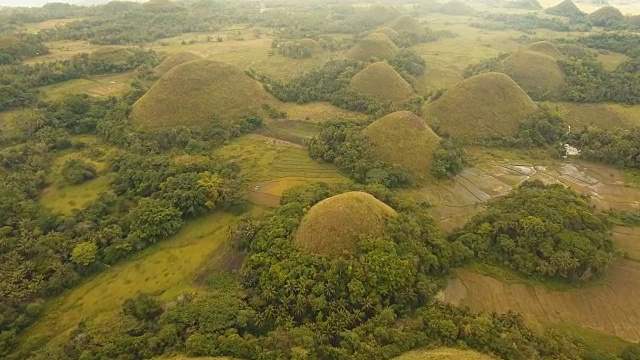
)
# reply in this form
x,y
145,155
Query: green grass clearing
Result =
x,y
8,122
251,52
102,85
63,197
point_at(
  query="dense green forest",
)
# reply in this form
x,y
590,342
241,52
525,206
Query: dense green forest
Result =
x,y
291,304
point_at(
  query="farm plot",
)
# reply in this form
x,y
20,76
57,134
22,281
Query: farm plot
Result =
x,y
272,166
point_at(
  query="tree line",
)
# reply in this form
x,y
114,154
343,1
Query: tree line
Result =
x,y
18,82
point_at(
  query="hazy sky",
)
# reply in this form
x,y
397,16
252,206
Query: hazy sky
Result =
x,y
28,2
42,2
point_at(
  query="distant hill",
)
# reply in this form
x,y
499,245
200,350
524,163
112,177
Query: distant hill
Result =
x,y
334,225
537,72
407,24
175,60
388,32
524,4
198,93
381,81
483,105
567,8
376,46
606,16
404,140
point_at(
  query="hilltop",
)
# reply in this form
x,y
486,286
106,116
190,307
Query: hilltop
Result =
x,y
483,105
334,225
404,140
381,81
175,60
546,48
387,31
407,24
376,45
197,93
567,8
538,74
606,16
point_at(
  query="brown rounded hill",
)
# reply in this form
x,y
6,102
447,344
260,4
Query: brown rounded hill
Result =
x,y
407,24
334,225
381,81
376,45
198,93
112,54
545,48
387,31
175,60
443,354
404,140
538,74
483,105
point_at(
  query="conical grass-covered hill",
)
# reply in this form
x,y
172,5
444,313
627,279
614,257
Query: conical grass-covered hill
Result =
x,y
443,354
376,46
483,105
407,24
174,60
404,140
198,93
538,74
387,31
381,81
606,16
334,225
567,8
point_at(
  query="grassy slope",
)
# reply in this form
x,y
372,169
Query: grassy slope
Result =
x,y
535,72
166,269
334,225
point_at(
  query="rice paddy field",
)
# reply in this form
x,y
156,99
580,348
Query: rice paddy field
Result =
x,y
273,165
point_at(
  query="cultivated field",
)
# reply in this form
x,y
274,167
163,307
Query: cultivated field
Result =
x,y
273,166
